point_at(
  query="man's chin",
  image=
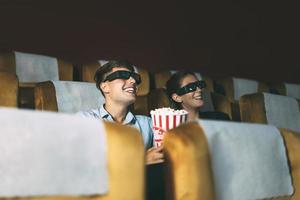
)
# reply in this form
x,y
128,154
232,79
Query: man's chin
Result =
x,y
131,100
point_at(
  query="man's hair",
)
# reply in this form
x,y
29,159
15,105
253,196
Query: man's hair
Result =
x,y
173,84
103,71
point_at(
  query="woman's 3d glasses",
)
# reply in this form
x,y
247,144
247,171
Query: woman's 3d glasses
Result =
x,y
191,87
123,75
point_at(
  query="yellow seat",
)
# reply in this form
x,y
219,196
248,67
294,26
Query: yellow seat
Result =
x,y
189,159
188,168
287,89
292,142
9,63
234,88
265,108
67,96
9,89
124,154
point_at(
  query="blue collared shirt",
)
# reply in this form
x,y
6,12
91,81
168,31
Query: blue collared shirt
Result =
x,y
142,123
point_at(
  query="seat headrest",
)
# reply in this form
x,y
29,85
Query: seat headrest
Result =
x,y
292,90
282,111
51,154
248,160
36,68
244,86
74,96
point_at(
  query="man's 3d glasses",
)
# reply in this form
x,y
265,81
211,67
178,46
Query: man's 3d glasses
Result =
x,y
123,75
191,87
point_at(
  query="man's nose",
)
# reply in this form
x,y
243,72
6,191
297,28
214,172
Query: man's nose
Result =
x,y
131,80
198,88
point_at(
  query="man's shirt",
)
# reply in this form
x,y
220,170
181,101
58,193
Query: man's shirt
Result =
x,y
142,123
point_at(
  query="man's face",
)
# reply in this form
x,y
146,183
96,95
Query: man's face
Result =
x,y
120,90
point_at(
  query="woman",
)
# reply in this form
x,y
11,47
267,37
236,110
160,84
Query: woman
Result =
x,y
186,92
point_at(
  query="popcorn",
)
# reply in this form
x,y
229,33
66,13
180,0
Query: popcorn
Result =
x,y
164,119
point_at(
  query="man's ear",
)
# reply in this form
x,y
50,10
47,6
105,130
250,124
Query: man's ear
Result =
x,y
176,98
104,87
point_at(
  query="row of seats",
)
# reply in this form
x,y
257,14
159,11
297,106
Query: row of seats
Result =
x,y
266,108
32,68
232,161
47,93
21,63
203,160
48,155
62,96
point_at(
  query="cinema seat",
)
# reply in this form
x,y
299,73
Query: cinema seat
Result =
x,y
188,166
161,78
213,102
67,157
141,104
67,96
33,68
292,142
265,108
8,89
234,88
210,159
287,89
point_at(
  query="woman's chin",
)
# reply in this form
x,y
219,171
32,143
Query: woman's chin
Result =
x,y
199,104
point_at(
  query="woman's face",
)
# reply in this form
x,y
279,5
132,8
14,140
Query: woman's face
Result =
x,y
191,100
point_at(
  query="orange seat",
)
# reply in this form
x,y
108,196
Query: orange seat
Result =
x,y
234,88
265,108
67,96
9,89
287,89
190,160
40,68
124,155
188,167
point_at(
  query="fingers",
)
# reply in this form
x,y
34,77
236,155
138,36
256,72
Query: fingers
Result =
x,y
160,148
154,155
155,162
155,149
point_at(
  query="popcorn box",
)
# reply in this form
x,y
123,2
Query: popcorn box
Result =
x,y
164,119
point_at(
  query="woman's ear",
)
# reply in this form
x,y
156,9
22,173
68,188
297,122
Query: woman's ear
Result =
x,y
176,98
104,87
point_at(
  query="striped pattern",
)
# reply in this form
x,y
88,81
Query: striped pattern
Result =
x,y
161,123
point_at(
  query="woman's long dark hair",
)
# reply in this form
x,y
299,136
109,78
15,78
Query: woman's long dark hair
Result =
x,y
173,84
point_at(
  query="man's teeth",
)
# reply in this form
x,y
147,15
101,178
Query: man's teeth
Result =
x,y
130,90
198,97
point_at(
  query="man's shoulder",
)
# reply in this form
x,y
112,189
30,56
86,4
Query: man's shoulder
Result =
x,y
143,118
90,113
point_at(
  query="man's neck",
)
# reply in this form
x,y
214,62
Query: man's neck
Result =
x,y
117,111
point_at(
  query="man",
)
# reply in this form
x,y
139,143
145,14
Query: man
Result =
x,y
118,82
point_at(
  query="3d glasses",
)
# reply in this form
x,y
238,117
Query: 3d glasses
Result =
x,y
191,87
123,75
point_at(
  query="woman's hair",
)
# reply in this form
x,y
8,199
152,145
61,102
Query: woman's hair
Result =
x,y
174,83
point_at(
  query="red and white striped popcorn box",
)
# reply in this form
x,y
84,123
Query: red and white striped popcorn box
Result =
x,y
164,119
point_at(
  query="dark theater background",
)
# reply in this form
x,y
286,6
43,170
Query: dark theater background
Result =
x,y
249,39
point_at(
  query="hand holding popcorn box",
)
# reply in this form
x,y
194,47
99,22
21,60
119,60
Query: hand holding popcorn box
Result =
x,y
164,119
